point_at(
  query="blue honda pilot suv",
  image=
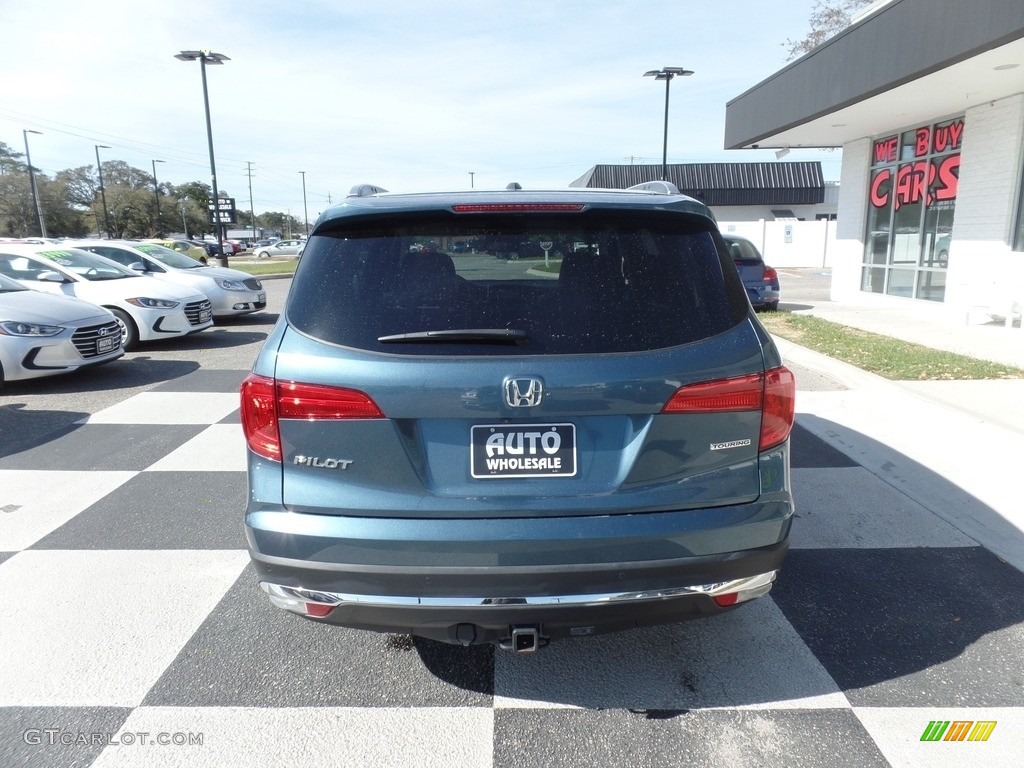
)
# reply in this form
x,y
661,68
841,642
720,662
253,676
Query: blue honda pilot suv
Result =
x,y
484,450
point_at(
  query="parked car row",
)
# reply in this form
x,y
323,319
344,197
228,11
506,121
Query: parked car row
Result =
x,y
230,291
105,297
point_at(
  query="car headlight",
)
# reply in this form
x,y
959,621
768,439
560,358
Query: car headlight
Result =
x,y
14,328
230,285
143,301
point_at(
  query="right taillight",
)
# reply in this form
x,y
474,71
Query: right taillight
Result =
x,y
265,401
779,409
772,392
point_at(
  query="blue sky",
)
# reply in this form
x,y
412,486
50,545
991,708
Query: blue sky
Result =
x,y
407,95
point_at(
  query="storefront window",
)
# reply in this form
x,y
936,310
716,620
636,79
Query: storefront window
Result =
x,y
912,198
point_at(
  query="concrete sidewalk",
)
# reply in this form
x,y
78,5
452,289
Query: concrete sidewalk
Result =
x,y
949,445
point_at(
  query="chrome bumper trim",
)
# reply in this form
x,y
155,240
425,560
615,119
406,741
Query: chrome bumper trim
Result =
x,y
291,598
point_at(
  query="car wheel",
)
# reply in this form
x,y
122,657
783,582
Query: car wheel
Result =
x,y
203,260
262,255
129,333
771,306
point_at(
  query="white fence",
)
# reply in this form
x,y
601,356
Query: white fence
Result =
x,y
793,244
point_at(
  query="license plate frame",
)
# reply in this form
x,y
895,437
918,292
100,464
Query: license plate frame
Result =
x,y
107,344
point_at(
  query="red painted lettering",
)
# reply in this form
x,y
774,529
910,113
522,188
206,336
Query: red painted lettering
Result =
x,y
880,187
885,150
911,182
923,137
948,137
949,179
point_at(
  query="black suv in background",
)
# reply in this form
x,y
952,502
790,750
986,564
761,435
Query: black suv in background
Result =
x,y
480,450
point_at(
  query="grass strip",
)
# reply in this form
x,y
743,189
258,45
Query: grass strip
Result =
x,y
266,268
888,357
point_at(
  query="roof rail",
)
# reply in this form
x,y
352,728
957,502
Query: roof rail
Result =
x,y
365,190
514,185
658,187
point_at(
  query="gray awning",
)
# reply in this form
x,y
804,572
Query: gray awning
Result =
x,y
778,183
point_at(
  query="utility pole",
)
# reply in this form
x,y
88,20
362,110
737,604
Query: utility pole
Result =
x,y
304,209
252,213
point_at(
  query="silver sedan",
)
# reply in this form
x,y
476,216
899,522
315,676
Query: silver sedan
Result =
x,y
280,248
42,334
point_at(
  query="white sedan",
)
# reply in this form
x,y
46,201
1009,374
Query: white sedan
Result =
x,y
280,248
230,291
146,309
43,335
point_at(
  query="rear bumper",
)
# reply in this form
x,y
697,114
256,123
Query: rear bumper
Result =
x,y
762,295
572,588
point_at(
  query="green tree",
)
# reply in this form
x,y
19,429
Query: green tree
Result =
x,y
64,216
119,173
284,223
828,18
196,191
80,185
17,213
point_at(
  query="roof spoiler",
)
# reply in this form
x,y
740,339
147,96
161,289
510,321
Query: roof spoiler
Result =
x,y
365,190
657,187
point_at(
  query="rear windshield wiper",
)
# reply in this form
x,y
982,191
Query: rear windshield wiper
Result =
x,y
469,335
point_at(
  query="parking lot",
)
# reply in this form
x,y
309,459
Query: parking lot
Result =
x,y
135,634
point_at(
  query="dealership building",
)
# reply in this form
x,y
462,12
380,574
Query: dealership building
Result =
x,y
926,99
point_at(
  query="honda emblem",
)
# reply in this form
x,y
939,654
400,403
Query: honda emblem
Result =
x,y
523,393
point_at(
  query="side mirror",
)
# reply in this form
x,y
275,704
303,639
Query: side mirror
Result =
x,y
137,266
52,277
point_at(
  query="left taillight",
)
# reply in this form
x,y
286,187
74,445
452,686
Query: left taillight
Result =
x,y
259,417
265,401
772,392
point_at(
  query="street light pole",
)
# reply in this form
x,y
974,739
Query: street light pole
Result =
x,y
32,183
666,74
103,194
156,191
305,212
208,57
471,175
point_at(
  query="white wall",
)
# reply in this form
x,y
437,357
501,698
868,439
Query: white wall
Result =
x,y
980,252
794,244
853,211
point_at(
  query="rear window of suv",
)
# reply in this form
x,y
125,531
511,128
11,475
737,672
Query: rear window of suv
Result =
x,y
484,284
